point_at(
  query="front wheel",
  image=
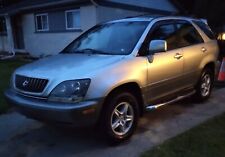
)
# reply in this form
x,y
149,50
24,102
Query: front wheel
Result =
x,y
120,117
204,86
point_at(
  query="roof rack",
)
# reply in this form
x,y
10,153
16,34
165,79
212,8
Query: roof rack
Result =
x,y
146,16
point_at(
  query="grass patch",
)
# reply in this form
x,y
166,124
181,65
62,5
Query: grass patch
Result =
x,y
6,69
206,140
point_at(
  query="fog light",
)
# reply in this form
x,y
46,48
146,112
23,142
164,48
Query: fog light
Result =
x,y
89,111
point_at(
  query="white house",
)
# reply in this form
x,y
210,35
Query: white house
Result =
x,y
43,27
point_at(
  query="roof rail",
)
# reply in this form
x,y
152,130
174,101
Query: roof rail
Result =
x,y
146,15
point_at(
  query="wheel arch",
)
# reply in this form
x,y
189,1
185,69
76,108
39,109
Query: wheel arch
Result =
x,y
131,87
211,66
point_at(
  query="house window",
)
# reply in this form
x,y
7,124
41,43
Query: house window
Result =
x,y
3,29
72,19
42,22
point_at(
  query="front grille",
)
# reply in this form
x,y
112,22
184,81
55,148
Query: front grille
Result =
x,y
29,84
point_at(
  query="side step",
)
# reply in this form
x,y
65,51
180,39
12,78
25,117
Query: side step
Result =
x,y
154,107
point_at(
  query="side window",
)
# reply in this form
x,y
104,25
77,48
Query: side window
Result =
x,y
42,22
3,29
165,32
187,35
205,28
73,20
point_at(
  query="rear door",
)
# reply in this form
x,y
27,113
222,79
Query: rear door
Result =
x,y
194,50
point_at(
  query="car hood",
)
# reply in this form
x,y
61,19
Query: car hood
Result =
x,y
67,66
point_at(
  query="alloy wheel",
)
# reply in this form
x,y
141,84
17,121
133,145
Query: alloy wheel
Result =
x,y
122,118
206,85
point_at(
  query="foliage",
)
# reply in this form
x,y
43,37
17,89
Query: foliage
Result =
x,y
6,69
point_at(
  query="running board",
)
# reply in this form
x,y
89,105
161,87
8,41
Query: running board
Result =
x,y
154,107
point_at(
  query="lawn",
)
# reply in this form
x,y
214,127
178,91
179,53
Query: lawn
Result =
x,y
6,69
206,140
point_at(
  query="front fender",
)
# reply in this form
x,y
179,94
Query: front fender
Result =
x,y
127,71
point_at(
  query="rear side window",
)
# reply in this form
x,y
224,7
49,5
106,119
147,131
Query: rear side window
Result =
x,y
205,28
165,32
187,35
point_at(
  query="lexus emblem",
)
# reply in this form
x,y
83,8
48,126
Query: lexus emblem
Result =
x,y
25,83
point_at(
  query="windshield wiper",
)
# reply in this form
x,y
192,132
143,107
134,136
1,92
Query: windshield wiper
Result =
x,y
90,51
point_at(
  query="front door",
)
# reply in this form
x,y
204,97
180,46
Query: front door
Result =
x,y
18,32
165,74
166,70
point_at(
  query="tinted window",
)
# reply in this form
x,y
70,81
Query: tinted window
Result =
x,y
187,35
165,32
205,28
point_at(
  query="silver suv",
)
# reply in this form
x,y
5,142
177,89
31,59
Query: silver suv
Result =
x,y
116,71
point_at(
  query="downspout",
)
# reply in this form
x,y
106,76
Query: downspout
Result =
x,y
96,6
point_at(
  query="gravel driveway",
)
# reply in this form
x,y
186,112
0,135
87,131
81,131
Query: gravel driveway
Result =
x,y
22,137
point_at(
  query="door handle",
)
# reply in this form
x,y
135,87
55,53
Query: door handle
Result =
x,y
178,56
204,49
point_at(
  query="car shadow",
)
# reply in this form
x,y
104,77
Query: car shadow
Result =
x,y
63,141
55,141
164,113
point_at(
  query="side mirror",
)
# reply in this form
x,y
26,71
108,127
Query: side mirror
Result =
x,y
157,46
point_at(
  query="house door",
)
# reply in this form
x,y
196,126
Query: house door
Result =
x,y
18,32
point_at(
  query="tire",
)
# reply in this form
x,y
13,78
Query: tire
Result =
x,y
204,85
120,117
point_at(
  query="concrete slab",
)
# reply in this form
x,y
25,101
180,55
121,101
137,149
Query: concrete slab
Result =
x,y
22,137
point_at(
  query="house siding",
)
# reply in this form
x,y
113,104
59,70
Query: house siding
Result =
x,y
156,4
57,25
46,43
109,13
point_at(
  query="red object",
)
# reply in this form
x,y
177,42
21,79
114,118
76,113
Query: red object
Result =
x,y
221,76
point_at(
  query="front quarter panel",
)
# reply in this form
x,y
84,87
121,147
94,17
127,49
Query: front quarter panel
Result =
x,y
129,70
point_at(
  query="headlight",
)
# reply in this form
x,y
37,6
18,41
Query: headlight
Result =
x,y
70,91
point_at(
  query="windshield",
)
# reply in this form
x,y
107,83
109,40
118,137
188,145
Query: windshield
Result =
x,y
117,38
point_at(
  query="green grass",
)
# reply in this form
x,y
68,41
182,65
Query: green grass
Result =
x,y
6,69
206,140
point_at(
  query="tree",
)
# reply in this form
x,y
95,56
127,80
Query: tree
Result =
x,y
213,11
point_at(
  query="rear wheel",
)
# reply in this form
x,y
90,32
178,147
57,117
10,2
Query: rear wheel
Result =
x,y
205,85
120,117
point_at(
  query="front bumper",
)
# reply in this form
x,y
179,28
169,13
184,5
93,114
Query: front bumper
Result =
x,y
77,114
